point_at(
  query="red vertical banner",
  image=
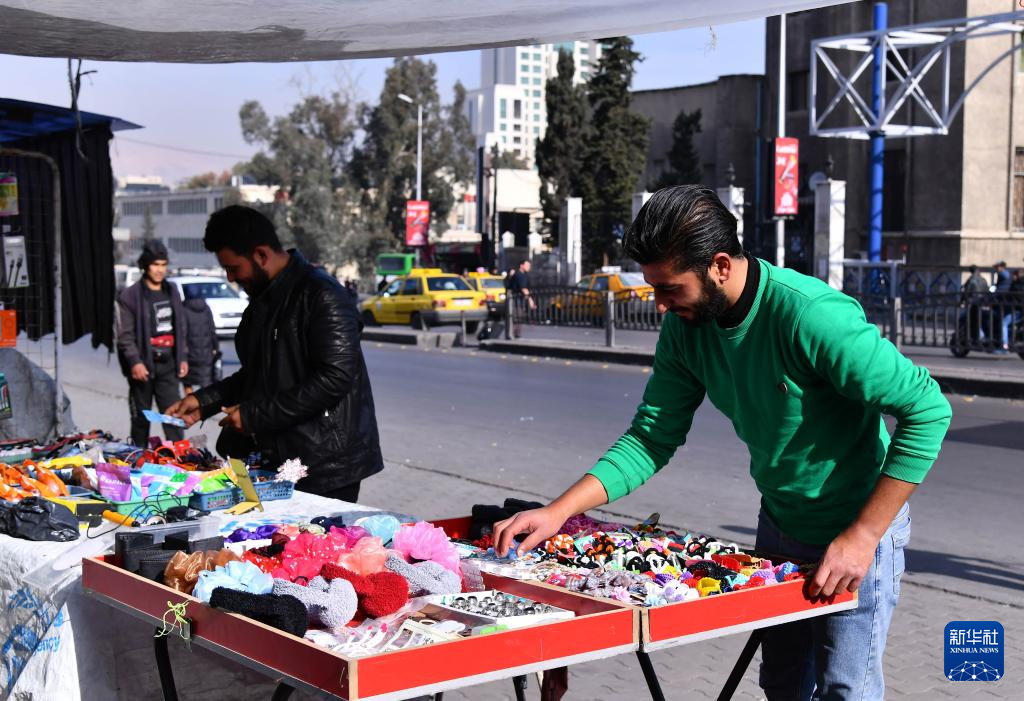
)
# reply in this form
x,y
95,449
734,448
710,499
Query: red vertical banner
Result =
x,y
8,328
787,181
417,222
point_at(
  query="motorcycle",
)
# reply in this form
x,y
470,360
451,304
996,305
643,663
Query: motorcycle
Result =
x,y
980,326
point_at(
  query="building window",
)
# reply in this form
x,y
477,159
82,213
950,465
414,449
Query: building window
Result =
x,y
536,130
584,75
536,105
138,208
186,245
536,57
796,90
524,69
536,117
1018,189
517,109
536,81
194,206
525,55
536,68
536,93
516,127
584,49
218,203
584,62
524,81
516,140
504,139
503,108
503,126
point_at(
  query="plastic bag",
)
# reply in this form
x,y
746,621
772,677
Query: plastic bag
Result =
x,y
114,481
34,518
182,572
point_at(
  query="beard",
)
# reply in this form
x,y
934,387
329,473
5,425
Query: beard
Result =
x,y
258,283
711,305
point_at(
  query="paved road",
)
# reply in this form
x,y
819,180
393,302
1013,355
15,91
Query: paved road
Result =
x,y
461,427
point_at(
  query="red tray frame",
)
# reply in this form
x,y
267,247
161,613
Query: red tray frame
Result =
x,y
692,621
600,629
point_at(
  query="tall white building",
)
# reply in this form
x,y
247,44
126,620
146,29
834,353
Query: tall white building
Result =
x,y
508,109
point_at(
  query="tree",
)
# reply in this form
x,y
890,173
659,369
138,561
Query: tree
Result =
x,y
148,225
384,165
560,153
305,153
507,159
208,179
684,163
459,139
617,151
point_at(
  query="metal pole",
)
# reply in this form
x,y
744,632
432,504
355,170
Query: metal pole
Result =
x,y
881,21
419,151
780,124
609,318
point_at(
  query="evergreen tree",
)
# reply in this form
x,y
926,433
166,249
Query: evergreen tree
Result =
x,y
560,153
684,163
617,151
384,165
459,139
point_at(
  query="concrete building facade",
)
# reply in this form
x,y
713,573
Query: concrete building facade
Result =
x,y
509,109
179,219
727,144
956,199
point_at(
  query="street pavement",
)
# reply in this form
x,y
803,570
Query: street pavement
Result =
x,y
460,427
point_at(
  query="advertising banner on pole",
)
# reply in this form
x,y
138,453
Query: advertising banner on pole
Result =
x,y
787,181
417,222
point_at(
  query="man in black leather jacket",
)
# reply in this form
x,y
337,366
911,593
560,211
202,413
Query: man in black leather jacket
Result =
x,y
303,390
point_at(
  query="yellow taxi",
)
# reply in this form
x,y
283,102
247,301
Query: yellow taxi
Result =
x,y
426,297
491,285
587,299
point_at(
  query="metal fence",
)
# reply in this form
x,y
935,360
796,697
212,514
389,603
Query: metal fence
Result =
x,y
912,306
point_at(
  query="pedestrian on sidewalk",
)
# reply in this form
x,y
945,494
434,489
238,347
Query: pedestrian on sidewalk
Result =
x,y
970,295
151,342
203,345
805,379
522,300
302,390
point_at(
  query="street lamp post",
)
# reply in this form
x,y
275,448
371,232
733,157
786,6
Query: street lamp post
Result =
x,y
419,143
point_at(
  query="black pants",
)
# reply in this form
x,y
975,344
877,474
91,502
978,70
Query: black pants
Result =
x,y
163,385
349,493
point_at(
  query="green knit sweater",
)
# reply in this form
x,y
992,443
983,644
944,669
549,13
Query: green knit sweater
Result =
x,y
805,380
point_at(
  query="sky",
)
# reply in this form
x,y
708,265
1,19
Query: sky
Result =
x,y
189,113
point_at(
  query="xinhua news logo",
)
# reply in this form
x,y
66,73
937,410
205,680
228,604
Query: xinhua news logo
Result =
x,y
974,651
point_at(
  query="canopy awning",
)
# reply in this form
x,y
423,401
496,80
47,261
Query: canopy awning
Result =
x,y
201,31
26,120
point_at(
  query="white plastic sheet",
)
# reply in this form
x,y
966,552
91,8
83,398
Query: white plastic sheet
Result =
x,y
199,31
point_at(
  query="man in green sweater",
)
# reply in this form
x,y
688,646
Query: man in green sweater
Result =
x,y
805,379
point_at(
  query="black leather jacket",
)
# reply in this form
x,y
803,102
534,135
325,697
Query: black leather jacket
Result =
x,y
303,386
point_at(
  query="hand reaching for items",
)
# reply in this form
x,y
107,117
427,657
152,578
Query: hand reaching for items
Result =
x,y
844,564
186,409
233,418
540,524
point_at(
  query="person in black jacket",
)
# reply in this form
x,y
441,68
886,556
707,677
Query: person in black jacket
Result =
x,y
151,344
303,390
203,346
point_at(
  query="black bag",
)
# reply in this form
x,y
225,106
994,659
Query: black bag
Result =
x,y
490,329
35,518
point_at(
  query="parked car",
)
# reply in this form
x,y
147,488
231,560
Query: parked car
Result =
x,y
588,297
491,285
426,297
226,303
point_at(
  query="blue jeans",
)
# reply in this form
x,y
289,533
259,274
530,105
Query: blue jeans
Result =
x,y
837,656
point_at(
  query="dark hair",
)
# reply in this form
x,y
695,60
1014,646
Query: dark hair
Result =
x,y
973,269
686,224
241,229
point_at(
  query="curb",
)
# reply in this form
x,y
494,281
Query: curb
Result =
x,y
410,337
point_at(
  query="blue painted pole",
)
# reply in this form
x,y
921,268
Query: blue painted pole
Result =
x,y
877,140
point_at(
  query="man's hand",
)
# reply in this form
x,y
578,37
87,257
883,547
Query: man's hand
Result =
x,y
844,564
233,418
139,372
186,409
541,524
183,369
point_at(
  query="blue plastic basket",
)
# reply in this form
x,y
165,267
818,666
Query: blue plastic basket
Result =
x,y
211,501
271,490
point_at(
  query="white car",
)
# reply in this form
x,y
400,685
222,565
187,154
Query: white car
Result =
x,y
226,303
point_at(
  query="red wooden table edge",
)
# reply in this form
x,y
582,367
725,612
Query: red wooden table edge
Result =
x,y
269,647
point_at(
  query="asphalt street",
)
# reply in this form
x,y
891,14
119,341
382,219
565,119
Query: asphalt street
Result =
x,y
460,427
